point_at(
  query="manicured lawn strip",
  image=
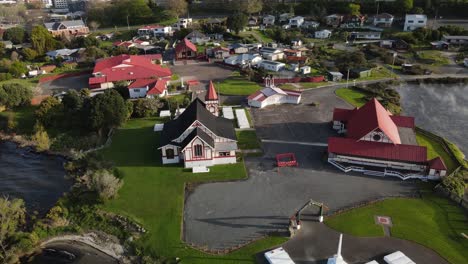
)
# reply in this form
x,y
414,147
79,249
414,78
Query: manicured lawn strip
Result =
x,y
434,149
352,96
435,57
432,221
238,85
247,139
153,195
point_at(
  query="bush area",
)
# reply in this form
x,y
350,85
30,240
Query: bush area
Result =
x,y
432,221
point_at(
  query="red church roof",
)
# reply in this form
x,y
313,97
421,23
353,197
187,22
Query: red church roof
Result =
x,y
370,117
127,67
437,164
211,94
185,44
377,150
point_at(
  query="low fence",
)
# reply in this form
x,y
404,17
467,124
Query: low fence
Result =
x,y
314,79
462,201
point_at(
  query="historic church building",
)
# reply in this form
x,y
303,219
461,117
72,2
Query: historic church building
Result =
x,y
199,137
381,144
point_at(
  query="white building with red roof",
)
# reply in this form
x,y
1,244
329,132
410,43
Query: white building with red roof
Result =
x,y
128,68
155,30
272,95
379,143
148,88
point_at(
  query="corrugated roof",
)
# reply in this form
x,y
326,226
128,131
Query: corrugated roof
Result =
x,y
370,117
185,44
377,150
437,164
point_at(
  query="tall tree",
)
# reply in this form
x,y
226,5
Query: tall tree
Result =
x,y
354,9
106,111
42,41
15,35
404,5
248,6
237,22
178,7
12,217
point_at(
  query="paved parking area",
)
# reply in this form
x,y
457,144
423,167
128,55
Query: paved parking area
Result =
x,y
224,215
202,71
63,84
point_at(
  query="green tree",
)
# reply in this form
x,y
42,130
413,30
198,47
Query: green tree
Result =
x,y
41,138
42,41
404,5
12,217
237,22
137,11
17,69
354,9
15,35
417,10
29,54
15,94
177,7
146,107
48,111
248,6
105,184
106,111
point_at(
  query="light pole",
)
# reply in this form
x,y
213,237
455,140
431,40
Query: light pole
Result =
x,y
393,63
347,79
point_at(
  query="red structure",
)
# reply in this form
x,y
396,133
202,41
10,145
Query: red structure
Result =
x,y
286,160
185,50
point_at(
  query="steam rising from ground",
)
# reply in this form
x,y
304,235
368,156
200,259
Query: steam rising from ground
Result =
x,y
439,108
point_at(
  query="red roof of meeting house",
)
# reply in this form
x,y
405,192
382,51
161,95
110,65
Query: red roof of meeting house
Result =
x,y
185,44
211,94
377,150
127,67
369,117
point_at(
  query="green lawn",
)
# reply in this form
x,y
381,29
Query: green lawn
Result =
x,y
153,195
431,221
24,117
247,139
434,149
352,96
433,57
237,85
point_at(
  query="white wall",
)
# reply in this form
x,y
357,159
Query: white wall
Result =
x,y
138,92
380,163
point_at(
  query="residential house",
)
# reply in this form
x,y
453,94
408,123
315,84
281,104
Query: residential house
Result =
x,y
370,35
185,50
360,72
455,40
272,65
197,37
383,20
184,23
218,22
439,44
125,44
311,24
465,62
269,20
334,20
253,21
272,95
218,52
335,76
296,22
322,34
67,28
198,138
305,70
148,88
128,68
292,52
296,43
284,17
244,59
239,48
272,53
353,21
414,21
302,60
65,54
155,30
379,143
386,43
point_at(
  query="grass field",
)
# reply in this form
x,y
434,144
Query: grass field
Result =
x,y
153,195
434,222
247,139
433,57
352,96
238,85
434,149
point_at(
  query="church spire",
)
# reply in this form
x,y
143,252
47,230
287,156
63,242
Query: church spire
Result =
x,y
211,95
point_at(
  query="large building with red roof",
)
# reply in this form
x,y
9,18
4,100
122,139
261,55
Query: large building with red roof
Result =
x,y
139,71
379,143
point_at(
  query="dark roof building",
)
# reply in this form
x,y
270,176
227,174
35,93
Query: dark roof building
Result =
x,y
198,138
380,143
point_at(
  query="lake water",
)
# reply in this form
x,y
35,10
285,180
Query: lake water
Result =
x,y
439,108
38,179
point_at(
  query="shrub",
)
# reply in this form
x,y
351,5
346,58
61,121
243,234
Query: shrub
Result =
x,y
15,94
105,184
41,138
455,184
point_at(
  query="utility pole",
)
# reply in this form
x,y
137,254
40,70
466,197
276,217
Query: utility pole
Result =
x,y
347,79
393,63
378,4
128,23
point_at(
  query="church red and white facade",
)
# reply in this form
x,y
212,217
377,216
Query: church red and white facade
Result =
x,y
199,137
380,144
